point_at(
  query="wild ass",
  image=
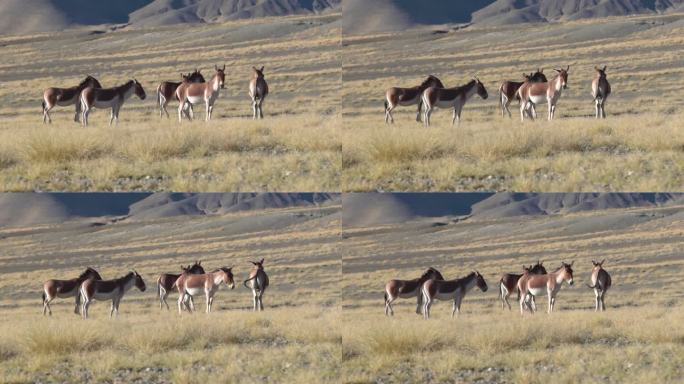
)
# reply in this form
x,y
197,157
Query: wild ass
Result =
x,y
66,96
66,288
107,98
257,282
509,90
258,90
165,281
207,283
601,282
531,94
395,97
451,98
167,90
405,289
450,290
190,94
113,290
509,282
600,90
539,285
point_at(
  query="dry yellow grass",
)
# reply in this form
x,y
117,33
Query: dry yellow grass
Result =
x,y
296,147
640,147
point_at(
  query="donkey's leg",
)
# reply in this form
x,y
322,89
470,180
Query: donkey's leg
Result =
x,y
208,294
254,108
254,297
180,111
420,106
78,112
419,304
261,300
453,118
207,111
388,306
77,302
428,112
261,108
111,118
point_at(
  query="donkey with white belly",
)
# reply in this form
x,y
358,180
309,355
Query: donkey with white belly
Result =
x,y
207,284
190,94
601,282
405,289
257,282
109,98
113,290
66,288
450,290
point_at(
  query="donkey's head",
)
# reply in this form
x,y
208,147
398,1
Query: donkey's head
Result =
x,y
196,268
228,276
481,90
139,282
431,273
563,74
196,77
480,281
220,75
538,77
258,73
566,272
598,265
90,273
538,268
139,91
258,265
601,72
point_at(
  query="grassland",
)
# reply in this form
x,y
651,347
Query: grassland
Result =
x,y
638,339
296,339
297,146
639,147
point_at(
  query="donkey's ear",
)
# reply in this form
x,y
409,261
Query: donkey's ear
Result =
x,y
262,68
602,261
224,67
604,68
567,69
262,261
215,67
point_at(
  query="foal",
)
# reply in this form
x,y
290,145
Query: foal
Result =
x,y
539,285
600,90
405,289
258,90
531,94
601,282
192,93
408,96
451,98
167,90
66,96
509,90
113,98
257,282
450,290
509,282
165,281
113,290
66,288
207,283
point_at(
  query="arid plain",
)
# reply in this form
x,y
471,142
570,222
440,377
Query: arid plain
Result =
x,y
296,339
295,148
639,147
638,339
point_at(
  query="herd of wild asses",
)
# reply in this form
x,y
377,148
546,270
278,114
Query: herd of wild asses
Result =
x,y
191,90
532,282
192,281
534,89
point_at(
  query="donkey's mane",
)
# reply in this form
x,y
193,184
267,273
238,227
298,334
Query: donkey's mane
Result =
x,y
431,271
430,79
88,271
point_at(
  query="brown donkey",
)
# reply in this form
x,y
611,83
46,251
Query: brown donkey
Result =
x,y
405,289
455,98
258,90
165,281
109,98
113,290
601,282
66,288
257,282
600,90
509,90
66,96
509,282
167,90
450,290
531,94
396,96
539,285
190,94
208,283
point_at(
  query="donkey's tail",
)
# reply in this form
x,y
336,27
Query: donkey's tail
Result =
x,y
44,296
594,286
386,104
245,282
42,104
385,297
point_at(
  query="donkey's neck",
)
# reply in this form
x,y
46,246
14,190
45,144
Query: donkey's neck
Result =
x,y
217,278
128,282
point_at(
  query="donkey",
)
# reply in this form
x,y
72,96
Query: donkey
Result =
x,y
113,290
531,94
509,282
66,288
395,289
451,98
106,98
257,282
450,290
167,90
165,281
600,90
601,282
65,97
408,96
538,285
189,285
509,90
258,90
192,93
